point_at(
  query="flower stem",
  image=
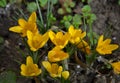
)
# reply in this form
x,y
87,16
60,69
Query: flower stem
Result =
x,y
49,12
48,15
85,26
40,14
35,55
65,64
91,34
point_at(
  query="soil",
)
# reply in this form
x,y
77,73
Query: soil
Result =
x,y
108,13
108,19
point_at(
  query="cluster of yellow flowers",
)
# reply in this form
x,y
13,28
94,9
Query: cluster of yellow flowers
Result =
x,y
36,41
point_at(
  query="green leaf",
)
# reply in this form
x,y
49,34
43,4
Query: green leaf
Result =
x,y
91,18
54,1
7,77
90,59
67,24
43,2
88,1
83,0
119,2
77,20
66,21
68,10
65,4
3,3
95,35
52,19
31,7
13,1
61,11
108,66
86,9
72,4
67,18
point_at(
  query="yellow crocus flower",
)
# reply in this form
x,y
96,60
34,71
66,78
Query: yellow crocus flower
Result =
x,y
30,69
65,74
56,54
116,67
76,34
59,39
83,45
104,47
54,69
24,25
36,41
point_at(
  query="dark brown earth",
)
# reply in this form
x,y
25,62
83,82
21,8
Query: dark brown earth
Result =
x,y
108,18
108,13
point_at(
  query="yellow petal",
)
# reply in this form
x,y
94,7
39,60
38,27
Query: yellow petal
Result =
x,y
56,55
71,29
51,35
83,45
30,41
117,70
22,22
115,64
30,69
54,68
16,29
107,42
53,75
100,51
59,39
29,60
57,71
83,35
65,74
52,56
59,35
108,49
33,70
60,69
112,47
36,41
32,18
116,67
67,36
57,48
104,47
76,34
47,65
29,35
23,69
37,70
100,40
33,49
44,40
